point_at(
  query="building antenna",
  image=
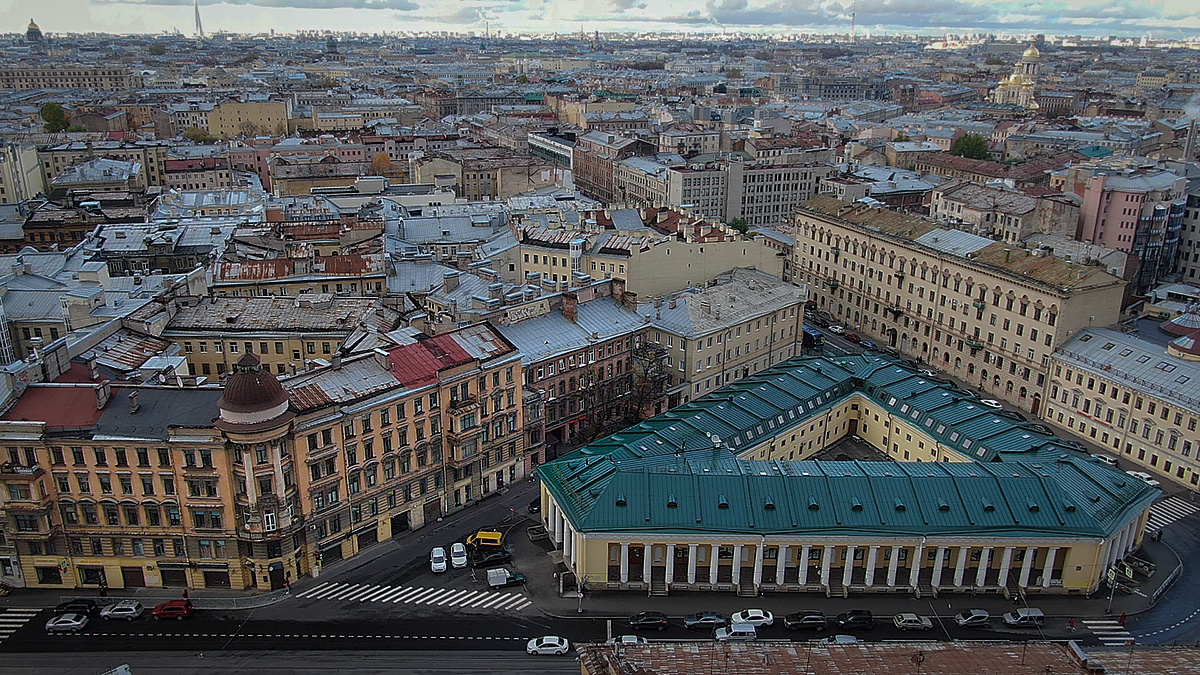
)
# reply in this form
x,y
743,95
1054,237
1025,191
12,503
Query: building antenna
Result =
x,y
199,26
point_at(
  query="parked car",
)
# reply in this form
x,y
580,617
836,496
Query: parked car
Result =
x,y
806,619
125,609
991,403
535,505
458,555
1074,444
704,620
437,559
67,623
1147,478
856,618
501,577
837,329
867,344
910,621
648,620
737,632
491,558
1105,459
927,373
548,644
853,337
972,618
626,640
839,640
173,609
754,617
80,606
1025,617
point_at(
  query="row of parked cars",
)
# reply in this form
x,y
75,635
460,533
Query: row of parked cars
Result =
x,y
74,615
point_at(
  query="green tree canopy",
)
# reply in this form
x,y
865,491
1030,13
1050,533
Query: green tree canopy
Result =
x,y
54,117
157,50
901,137
740,225
971,146
199,135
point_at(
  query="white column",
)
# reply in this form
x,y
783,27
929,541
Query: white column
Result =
x,y
938,563
985,560
646,560
568,541
670,563
737,564
624,561
872,561
893,566
848,568
826,561
1005,566
1048,568
1027,567
802,565
961,567
781,564
552,521
760,557
691,577
712,563
914,572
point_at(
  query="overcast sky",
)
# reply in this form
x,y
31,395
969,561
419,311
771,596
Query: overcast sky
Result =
x,y
1174,18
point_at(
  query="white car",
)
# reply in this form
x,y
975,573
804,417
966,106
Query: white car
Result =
x,y
548,644
992,403
458,555
1147,478
437,560
1105,459
754,617
67,623
125,609
626,640
837,329
838,640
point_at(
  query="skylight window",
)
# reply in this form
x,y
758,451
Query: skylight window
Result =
x,y
1143,358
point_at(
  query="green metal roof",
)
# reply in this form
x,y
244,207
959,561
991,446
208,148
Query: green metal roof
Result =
x,y
1024,482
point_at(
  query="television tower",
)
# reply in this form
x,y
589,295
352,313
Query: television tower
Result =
x,y
199,26
853,12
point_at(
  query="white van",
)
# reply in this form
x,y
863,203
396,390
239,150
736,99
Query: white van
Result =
x,y
737,632
1026,617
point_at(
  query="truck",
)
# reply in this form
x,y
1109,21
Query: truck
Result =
x,y
501,577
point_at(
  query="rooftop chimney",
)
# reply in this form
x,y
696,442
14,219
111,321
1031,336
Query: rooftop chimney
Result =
x,y
103,392
133,402
450,281
570,307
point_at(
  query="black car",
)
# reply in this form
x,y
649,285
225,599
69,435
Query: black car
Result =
x,y
535,505
807,619
491,557
704,620
648,620
856,618
80,606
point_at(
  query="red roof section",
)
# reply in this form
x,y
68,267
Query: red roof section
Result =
x,y
420,363
58,407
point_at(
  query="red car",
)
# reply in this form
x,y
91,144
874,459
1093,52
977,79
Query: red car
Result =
x,y
853,337
173,609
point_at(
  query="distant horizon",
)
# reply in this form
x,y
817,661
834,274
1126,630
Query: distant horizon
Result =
x,y
1131,19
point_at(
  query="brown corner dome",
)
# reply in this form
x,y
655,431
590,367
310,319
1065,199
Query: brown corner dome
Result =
x,y
253,397
1184,324
1186,347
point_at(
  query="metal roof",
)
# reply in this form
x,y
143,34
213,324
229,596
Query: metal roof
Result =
x,y
1135,363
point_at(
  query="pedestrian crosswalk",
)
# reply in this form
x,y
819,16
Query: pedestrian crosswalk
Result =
x,y
13,619
418,595
1169,510
1108,631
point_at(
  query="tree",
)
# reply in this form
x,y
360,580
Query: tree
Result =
x,y
733,73
199,135
381,165
248,128
901,137
764,55
76,127
54,117
157,50
740,225
971,146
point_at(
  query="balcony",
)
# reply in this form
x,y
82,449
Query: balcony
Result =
x,y
14,472
896,311
979,304
973,345
463,405
832,284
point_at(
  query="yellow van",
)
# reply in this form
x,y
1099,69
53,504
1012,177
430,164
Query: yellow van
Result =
x,y
485,538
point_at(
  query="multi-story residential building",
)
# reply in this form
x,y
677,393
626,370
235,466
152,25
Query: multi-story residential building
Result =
x,y
230,119
353,275
1189,244
200,173
128,486
50,226
758,193
69,76
977,308
771,149
689,139
554,147
151,155
593,159
21,176
742,322
579,348
1001,214
175,248
287,333
642,181
723,494
1140,212
255,155
1033,173
1131,397
485,173
835,87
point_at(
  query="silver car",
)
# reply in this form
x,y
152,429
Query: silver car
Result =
x,y
125,609
67,623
